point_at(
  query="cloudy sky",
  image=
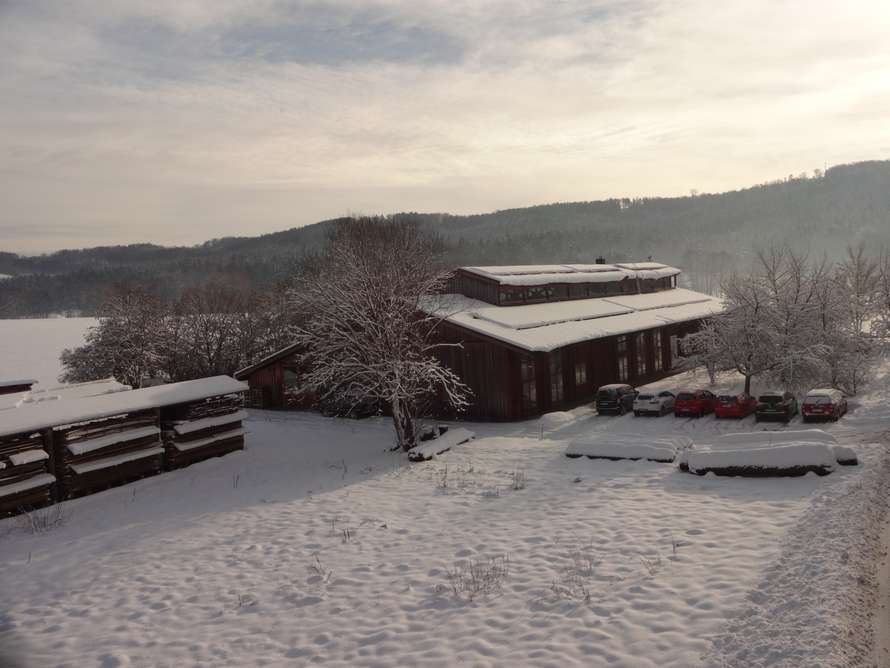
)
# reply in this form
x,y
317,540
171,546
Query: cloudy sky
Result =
x,y
175,121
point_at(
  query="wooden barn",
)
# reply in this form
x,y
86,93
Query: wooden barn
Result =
x,y
536,339
71,447
541,338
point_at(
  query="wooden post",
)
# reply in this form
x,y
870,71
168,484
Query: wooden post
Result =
x,y
50,446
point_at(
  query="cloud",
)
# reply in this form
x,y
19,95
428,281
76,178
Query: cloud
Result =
x,y
180,121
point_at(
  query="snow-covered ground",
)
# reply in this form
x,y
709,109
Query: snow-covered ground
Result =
x,y
317,545
30,348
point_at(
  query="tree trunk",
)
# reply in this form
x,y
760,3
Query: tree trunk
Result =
x,y
403,421
748,385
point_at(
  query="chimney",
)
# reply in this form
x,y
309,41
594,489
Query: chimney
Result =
x,y
601,260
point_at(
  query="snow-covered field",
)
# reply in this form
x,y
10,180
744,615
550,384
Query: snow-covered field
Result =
x,y
30,348
317,545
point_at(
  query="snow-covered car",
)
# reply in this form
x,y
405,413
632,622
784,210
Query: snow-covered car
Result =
x,y
694,403
823,404
654,403
776,405
735,405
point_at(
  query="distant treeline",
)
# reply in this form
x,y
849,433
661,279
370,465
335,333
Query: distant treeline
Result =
x,y
705,234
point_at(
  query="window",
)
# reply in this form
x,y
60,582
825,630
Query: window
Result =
x,y
580,374
529,386
539,293
559,292
621,350
659,352
642,362
556,384
621,345
577,291
511,295
599,289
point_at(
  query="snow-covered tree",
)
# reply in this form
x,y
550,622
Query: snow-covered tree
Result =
x,y
738,339
125,344
857,298
364,331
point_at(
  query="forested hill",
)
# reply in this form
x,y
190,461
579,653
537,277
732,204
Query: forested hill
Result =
x,y
704,234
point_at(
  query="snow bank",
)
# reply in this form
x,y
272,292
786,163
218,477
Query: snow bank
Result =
x,y
628,446
429,449
768,438
28,457
786,459
845,456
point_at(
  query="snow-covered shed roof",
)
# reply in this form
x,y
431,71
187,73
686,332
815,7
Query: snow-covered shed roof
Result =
x,y
542,274
545,327
277,355
15,382
33,417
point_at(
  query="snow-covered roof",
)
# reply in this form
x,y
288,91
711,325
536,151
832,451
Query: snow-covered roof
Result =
x,y
58,392
16,382
542,274
545,327
33,417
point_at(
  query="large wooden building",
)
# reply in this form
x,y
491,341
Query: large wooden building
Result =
x,y
535,339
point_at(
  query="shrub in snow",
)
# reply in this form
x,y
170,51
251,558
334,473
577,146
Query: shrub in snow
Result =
x,y
470,580
793,459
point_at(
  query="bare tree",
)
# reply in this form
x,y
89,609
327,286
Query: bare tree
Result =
x,y
364,331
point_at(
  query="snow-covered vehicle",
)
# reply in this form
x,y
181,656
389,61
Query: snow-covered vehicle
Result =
x,y
823,404
654,403
694,403
776,405
617,398
735,405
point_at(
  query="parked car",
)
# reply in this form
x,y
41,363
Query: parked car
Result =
x,y
735,405
694,403
776,406
617,398
823,404
654,403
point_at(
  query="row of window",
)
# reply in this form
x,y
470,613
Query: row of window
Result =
x,y
557,389
513,295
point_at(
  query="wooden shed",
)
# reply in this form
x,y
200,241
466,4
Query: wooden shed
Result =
x,y
80,446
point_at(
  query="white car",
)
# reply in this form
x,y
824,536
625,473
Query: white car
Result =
x,y
654,403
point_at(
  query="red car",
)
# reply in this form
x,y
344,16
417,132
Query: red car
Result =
x,y
827,404
735,406
695,403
